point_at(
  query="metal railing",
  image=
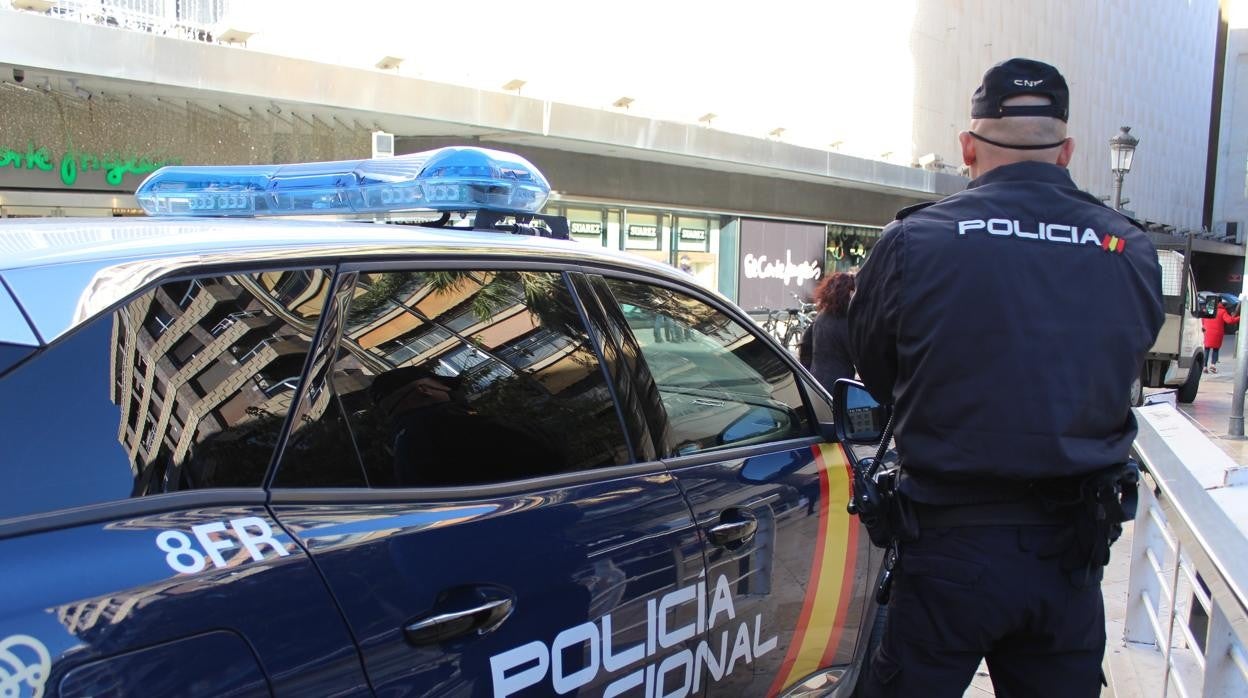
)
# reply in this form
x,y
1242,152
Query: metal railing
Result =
x,y
1189,565
186,19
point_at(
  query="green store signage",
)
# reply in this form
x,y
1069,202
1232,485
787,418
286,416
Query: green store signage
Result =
x,y
71,162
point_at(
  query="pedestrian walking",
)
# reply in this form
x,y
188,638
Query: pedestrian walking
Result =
x,y
1215,332
1005,324
825,344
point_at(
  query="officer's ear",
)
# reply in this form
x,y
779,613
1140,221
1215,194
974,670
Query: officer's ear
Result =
x,y
1066,152
968,148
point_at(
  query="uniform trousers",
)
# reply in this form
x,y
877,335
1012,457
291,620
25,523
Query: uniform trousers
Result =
x,y
998,593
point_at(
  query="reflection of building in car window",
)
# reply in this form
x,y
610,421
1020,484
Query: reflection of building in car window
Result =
x,y
462,377
435,435
204,372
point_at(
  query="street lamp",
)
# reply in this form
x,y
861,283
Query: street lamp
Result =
x,y
1121,152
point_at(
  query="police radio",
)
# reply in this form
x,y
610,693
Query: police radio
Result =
x,y
860,420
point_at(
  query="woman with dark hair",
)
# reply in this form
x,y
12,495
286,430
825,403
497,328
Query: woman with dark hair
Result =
x,y
827,341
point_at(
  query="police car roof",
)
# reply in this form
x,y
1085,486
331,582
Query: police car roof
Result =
x,y
63,271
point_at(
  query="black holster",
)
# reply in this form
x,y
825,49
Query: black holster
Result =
x,y
888,517
885,513
1103,501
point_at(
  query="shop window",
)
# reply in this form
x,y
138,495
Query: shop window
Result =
x,y
642,231
693,234
615,232
587,225
697,242
848,246
453,378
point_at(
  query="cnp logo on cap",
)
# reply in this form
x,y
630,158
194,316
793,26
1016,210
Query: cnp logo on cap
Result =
x,y
1021,76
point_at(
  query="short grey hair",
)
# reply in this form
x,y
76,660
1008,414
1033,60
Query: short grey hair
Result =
x,y
1022,130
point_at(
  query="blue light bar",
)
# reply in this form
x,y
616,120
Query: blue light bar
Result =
x,y
447,179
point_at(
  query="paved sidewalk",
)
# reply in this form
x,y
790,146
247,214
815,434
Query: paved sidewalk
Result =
x,y
1212,408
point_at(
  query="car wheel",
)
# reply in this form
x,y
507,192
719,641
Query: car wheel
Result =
x,y
1187,391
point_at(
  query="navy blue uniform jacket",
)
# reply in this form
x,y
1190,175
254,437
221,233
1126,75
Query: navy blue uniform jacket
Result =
x,y
1006,324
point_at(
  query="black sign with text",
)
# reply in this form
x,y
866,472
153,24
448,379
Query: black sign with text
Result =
x,y
778,262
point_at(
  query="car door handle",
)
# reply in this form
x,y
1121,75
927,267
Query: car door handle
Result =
x,y
459,613
735,527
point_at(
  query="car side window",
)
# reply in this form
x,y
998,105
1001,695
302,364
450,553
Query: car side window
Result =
x,y
458,377
184,387
721,386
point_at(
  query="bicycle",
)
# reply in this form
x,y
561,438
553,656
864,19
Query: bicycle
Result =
x,y
799,320
770,322
786,325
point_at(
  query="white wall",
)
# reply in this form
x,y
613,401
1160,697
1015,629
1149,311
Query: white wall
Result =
x,y
1231,198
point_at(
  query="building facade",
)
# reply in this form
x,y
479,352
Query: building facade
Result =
x,y
1231,202
200,87
65,154
1150,67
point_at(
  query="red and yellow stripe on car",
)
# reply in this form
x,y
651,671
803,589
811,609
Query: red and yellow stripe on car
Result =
x,y
828,591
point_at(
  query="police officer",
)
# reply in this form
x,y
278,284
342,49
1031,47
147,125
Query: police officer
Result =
x,y
1006,324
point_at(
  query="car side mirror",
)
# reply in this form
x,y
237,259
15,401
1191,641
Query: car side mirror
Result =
x,y
1206,306
858,418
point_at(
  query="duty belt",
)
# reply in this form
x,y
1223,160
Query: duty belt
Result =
x,y
1028,511
1089,510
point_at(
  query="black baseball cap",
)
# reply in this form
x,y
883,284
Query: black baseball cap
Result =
x,y
1021,76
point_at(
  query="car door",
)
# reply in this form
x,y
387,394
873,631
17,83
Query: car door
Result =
x,y
488,518
139,555
787,569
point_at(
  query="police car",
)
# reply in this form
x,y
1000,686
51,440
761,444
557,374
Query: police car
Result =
x,y
332,457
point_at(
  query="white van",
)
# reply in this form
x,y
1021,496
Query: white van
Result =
x,y
1177,358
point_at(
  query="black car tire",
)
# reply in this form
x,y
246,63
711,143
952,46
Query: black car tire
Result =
x,y
1187,392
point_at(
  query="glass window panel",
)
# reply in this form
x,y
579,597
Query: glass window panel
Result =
x,y
693,234
642,231
496,381
721,386
586,225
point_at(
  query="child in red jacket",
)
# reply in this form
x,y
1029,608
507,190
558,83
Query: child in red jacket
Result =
x,y
1215,330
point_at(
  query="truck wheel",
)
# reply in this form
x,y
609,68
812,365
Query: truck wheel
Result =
x,y
1187,392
